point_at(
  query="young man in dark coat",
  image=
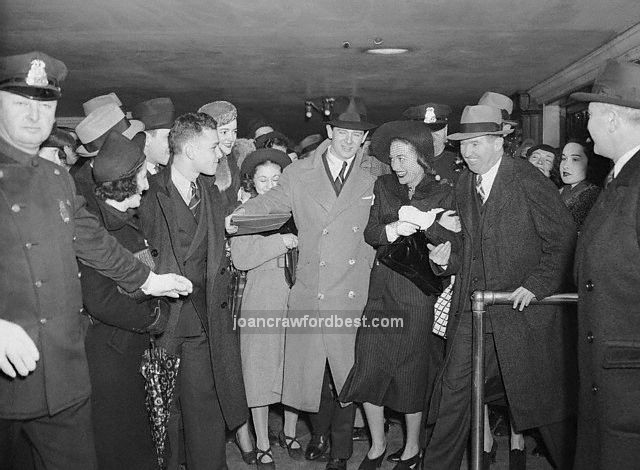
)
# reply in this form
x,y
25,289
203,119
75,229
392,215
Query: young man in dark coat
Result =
x,y
44,228
608,280
517,236
182,215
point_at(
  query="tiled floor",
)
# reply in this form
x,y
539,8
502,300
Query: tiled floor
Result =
x,y
283,462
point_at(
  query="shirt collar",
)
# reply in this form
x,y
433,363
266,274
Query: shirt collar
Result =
x,y
182,184
335,163
489,177
623,160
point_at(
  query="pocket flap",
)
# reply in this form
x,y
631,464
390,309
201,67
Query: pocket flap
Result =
x,y
622,355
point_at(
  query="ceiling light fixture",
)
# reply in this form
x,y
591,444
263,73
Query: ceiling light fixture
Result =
x,y
325,109
387,50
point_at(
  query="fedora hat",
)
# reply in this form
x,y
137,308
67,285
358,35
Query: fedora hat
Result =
x,y
480,120
414,132
353,117
309,143
432,114
34,75
118,158
259,156
95,103
98,123
157,113
616,83
500,101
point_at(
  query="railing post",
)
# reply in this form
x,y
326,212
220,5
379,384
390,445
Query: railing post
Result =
x,y
477,397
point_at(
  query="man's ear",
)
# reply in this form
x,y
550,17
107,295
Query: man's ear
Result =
x,y
329,131
499,143
188,150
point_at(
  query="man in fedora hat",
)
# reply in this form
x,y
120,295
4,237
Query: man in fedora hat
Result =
x,y
329,195
518,237
44,228
157,115
435,116
607,276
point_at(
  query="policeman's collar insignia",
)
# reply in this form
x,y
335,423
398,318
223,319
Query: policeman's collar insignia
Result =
x,y
37,75
429,115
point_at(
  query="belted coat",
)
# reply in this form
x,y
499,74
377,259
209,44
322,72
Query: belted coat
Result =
x,y
332,277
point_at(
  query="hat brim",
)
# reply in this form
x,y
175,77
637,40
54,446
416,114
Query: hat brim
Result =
x,y
473,135
135,126
83,152
600,98
48,93
352,125
253,160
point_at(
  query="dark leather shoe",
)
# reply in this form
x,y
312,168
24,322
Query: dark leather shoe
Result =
x,y
286,442
249,457
372,464
336,464
317,447
410,464
489,457
517,459
360,434
395,457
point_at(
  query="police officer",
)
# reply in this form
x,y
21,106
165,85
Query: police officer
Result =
x,y
44,227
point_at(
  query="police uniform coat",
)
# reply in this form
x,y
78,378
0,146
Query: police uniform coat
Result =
x,y
527,237
159,223
44,227
332,275
607,273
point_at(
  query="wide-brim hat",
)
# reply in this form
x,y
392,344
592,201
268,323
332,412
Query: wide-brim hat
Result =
x,y
118,158
34,75
157,113
354,116
479,120
309,143
617,83
99,101
432,114
500,101
262,140
259,156
414,132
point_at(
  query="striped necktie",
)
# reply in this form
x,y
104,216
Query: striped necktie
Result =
x,y
195,199
479,188
339,182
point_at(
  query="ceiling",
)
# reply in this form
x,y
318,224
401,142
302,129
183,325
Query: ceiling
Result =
x,y
267,56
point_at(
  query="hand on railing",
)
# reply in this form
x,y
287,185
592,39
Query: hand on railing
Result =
x,y
521,296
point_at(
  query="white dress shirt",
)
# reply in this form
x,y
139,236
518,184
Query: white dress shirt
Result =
x,y
335,164
488,178
182,184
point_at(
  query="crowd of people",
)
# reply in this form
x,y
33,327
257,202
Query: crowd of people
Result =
x,y
123,238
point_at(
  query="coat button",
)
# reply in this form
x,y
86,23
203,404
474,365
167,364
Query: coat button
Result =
x,y
590,337
320,296
323,263
589,285
325,231
56,172
223,305
15,208
352,262
43,321
355,229
351,294
38,283
75,238
28,245
154,253
594,389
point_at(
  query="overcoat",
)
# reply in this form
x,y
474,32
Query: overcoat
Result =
x,y
159,224
333,271
265,297
44,227
607,273
527,238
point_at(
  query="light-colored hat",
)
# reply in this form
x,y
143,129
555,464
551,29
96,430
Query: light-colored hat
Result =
x,y
502,102
222,112
480,120
98,101
307,142
99,122
617,83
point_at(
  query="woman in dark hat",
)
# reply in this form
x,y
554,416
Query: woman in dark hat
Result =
x,y
546,159
265,298
120,324
396,366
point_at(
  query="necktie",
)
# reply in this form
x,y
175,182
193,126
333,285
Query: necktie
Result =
x,y
441,310
479,188
339,182
195,199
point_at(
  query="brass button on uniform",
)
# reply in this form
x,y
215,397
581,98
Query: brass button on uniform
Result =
x,y
323,263
352,262
15,208
589,285
320,296
325,231
56,172
594,389
590,337
43,321
351,294
28,245
38,283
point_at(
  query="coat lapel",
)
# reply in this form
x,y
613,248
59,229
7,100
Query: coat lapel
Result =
x,y
464,198
318,185
499,195
355,186
166,205
201,231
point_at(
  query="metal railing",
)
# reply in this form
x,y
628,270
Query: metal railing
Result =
x,y
480,300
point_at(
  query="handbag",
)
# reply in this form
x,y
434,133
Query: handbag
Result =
x,y
409,256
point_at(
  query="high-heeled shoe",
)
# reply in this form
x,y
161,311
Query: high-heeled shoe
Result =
x,y
489,457
372,464
260,455
412,463
517,459
286,442
396,456
248,457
